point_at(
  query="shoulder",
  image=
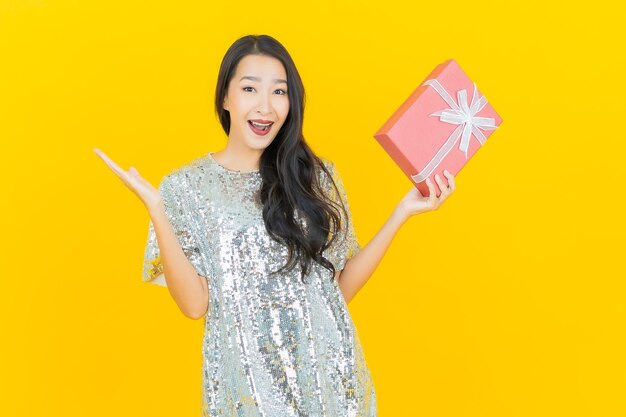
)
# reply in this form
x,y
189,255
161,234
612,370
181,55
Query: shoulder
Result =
x,y
184,175
327,162
330,168
195,166
329,179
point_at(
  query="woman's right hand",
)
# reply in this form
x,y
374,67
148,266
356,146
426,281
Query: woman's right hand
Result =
x,y
146,192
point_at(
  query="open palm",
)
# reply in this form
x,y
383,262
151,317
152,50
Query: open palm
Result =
x,y
146,192
414,202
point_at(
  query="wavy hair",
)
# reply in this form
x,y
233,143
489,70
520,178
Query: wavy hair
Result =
x,y
289,169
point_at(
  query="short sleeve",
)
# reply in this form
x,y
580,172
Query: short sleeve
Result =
x,y
179,218
346,245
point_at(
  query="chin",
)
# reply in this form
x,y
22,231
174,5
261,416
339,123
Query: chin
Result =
x,y
260,144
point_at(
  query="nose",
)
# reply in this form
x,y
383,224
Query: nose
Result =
x,y
265,104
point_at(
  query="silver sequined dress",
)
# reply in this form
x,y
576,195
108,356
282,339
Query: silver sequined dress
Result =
x,y
273,346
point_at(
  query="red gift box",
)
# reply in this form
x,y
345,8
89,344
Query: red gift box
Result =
x,y
439,127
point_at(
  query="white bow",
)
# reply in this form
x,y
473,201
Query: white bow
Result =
x,y
462,114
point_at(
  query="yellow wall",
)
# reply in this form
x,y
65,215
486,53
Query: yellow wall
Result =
x,y
507,301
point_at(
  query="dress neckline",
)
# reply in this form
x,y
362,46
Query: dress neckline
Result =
x,y
230,171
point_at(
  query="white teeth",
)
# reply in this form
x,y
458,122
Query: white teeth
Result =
x,y
259,124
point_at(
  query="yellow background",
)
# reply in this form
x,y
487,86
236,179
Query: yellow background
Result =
x,y
507,301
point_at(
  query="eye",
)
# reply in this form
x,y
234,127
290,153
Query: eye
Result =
x,y
282,92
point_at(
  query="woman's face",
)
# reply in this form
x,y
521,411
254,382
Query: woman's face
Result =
x,y
257,93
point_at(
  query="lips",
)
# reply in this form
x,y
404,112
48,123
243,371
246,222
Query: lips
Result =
x,y
260,127
261,124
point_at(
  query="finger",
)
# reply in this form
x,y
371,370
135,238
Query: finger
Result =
x,y
114,167
442,187
133,171
432,197
451,182
107,160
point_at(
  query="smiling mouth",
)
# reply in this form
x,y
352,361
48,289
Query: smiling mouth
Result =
x,y
260,129
260,126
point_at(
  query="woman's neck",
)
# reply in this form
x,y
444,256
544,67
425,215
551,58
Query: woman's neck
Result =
x,y
237,160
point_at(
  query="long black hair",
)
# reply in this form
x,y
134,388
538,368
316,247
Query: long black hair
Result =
x,y
289,169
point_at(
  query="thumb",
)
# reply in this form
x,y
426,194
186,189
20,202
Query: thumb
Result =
x,y
133,172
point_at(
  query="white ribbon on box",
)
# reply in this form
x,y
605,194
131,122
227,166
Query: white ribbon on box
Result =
x,y
460,114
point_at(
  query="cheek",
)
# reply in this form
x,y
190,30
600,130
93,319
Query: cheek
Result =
x,y
239,103
284,109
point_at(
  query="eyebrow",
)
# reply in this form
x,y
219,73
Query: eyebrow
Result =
x,y
250,77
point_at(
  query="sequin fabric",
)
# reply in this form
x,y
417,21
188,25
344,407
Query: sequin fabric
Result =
x,y
273,346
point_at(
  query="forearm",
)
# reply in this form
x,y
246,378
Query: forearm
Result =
x,y
362,265
183,282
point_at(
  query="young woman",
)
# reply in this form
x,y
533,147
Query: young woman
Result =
x,y
257,239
